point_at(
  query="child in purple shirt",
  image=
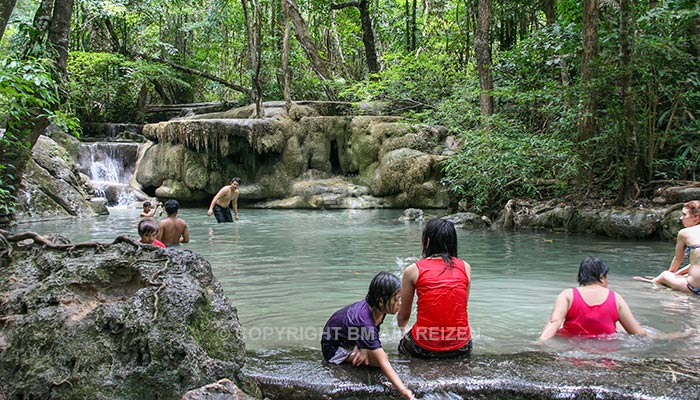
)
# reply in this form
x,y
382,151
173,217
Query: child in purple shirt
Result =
x,y
352,333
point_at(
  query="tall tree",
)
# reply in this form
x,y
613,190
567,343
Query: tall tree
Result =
x,y
628,182
367,31
6,7
591,17
482,50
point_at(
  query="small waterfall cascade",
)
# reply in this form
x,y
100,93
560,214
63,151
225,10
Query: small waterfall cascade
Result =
x,y
110,165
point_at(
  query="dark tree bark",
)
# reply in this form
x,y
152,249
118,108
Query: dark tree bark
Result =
x,y
285,57
482,50
255,62
628,187
591,19
548,9
59,35
6,7
367,32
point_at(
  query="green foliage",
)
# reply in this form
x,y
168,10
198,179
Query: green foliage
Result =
x,y
104,87
408,84
27,90
508,162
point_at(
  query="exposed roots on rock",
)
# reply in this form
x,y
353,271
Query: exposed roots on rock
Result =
x,y
10,241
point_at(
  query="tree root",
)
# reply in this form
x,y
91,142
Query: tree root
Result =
x,y
161,286
9,241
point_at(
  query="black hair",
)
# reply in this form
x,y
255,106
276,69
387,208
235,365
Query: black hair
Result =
x,y
381,289
147,226
171,206
440,238
236,179
146,204
592,270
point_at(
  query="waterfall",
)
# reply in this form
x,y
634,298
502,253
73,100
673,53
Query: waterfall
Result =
x,y
110,165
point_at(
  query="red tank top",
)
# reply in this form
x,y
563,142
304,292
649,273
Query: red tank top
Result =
x,y
442,323
585,320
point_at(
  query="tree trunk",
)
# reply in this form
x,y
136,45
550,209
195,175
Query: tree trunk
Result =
x,y
6,7
548,9
320,66
285,57
590,50
59,36
482,50
628,187
255,61
367,32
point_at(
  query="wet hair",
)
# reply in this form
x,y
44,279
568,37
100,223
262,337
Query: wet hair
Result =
x,y
592,270
171,206
236,179
147,227
440,238
146,204
693,207
381,289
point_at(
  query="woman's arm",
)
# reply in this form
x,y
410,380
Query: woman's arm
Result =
x,y
627,319
680,251
561,307
408,287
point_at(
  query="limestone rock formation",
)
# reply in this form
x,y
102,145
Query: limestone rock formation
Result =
x,y
52,187
117,321
398,163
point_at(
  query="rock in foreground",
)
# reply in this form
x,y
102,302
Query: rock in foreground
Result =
x,y
117,321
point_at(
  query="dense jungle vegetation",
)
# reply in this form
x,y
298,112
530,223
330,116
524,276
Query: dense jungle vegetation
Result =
x,y
574,99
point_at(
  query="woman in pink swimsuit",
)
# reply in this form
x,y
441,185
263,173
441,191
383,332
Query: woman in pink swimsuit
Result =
x,y
592,309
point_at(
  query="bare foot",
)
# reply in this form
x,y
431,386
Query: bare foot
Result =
x,y
647,278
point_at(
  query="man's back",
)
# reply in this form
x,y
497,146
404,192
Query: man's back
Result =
x,y
171,229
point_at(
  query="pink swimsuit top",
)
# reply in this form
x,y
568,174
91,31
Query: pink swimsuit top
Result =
x,y
586,320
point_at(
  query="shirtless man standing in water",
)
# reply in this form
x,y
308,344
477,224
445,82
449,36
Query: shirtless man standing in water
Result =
x,y
172,230
227,197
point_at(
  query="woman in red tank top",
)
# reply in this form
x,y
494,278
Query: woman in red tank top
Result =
x,y
441,281
591,310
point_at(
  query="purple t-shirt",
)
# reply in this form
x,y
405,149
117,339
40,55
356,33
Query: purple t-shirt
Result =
x,y
351,325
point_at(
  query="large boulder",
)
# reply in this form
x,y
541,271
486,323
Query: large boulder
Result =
x,y
52,187
117,321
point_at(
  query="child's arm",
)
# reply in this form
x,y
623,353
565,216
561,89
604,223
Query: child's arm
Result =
x,y
383,362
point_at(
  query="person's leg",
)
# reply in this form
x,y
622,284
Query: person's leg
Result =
x,y
227,215
672,280
219,213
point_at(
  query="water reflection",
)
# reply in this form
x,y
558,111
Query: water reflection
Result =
x,y
287,271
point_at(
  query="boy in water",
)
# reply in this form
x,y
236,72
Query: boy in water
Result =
x,y
148,230
172,230
227,196
149,209
351,335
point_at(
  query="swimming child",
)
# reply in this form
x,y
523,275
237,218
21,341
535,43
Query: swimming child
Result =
x,y
148,230
351,334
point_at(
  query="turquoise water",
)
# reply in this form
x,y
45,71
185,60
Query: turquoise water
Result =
x,y
287,271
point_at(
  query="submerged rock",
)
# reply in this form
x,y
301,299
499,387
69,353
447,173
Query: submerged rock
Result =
x,y
118,321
